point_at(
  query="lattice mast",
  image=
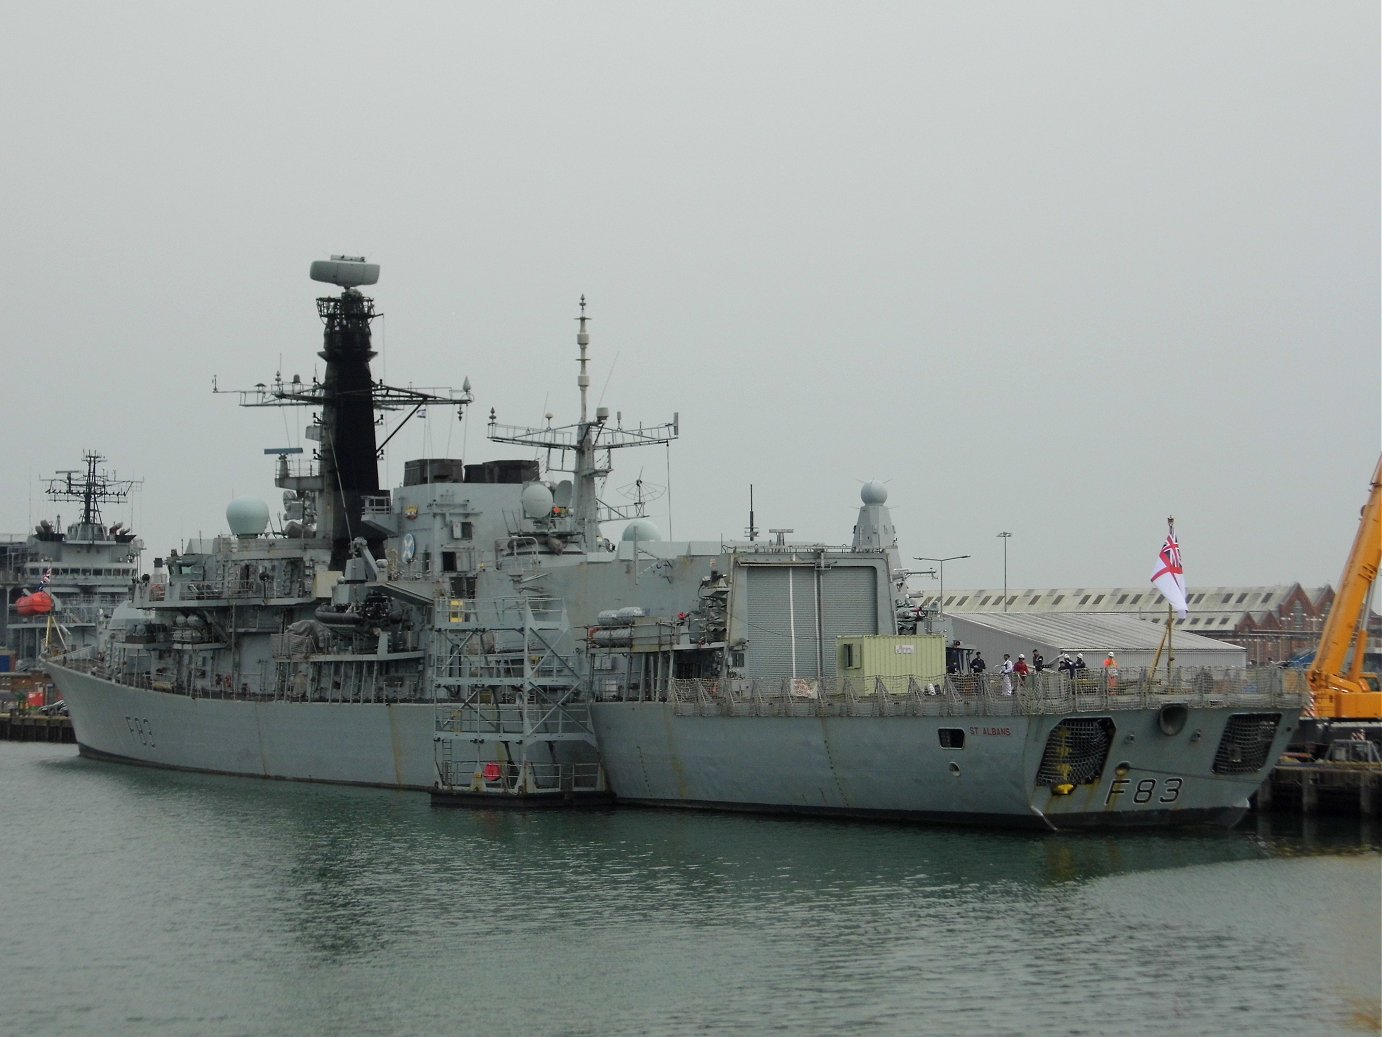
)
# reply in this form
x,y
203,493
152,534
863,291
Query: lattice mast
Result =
x,y
590,442
93,487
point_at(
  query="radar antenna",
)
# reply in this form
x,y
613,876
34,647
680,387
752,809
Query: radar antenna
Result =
x,y
92,486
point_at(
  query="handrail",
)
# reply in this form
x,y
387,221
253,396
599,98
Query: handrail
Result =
x,y
984,694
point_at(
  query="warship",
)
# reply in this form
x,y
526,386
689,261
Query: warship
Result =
x,y
475,633
61,582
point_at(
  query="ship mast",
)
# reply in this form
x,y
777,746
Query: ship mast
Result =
x,y
590,442
348,454
91,487
584,501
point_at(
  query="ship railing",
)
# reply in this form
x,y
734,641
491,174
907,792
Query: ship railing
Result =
x,y
564,777
376,504
507,613
801,696
86,611
84,658
252,687
301,469
1253,687
342,679
985,694
224,590
535,719
195,688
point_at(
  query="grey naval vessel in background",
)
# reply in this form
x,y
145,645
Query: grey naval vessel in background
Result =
x,y
61,582
474,634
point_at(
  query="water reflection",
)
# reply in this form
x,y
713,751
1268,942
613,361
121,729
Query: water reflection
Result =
x,y
360,910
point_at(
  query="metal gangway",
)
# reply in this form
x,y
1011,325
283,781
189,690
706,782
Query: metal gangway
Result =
x,y
511,714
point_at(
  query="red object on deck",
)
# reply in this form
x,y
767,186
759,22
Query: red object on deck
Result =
x,y
39,603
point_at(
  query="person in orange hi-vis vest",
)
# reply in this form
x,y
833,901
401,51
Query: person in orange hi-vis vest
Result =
x,y
1111,670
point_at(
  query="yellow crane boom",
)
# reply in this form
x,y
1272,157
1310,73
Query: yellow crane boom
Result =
x,y
1339,687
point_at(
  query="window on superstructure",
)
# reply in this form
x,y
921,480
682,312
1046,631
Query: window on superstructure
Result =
x,y
1098,599
1123,599
952,737
1084,600
1059,599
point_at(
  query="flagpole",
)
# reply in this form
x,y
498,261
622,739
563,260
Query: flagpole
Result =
x,y
1170,618
1156,659
1170,563
1170,611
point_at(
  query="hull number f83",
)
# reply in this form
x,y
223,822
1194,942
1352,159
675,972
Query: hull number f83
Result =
x,y
1145,790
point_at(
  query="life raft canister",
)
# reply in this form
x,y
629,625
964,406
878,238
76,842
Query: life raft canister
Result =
x,y
40,603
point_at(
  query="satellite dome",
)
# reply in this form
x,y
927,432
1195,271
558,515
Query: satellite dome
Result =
x,y
247,516
641,529
537,501
874,492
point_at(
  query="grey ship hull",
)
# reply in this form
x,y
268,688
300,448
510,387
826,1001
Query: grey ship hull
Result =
x,y
655,753
895,767
382,744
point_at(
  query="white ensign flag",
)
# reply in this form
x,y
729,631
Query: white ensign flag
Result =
x,y
1168,577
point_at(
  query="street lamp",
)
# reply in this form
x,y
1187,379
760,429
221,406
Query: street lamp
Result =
x,y
940,605
1006,537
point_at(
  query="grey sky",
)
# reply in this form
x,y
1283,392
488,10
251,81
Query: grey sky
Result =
x,y
1061,269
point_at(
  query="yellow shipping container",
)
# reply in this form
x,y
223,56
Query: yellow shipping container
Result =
x,y
890,655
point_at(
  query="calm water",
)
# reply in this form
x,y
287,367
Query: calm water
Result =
x,y
144,902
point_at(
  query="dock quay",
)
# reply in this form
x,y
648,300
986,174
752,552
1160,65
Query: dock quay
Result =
x,y
1328,786
35,727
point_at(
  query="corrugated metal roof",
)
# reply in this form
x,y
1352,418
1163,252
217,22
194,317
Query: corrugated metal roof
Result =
x,y
1091,632
1142,598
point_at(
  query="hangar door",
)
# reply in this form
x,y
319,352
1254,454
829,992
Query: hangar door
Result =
x,y
792,615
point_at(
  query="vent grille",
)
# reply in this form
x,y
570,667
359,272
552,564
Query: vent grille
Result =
x,y
1076,751
1246,743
